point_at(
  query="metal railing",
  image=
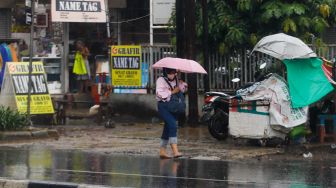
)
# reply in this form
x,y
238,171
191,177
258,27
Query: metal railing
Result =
x,y
159,52
223,68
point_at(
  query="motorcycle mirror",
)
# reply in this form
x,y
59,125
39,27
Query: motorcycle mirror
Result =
x,y
262,66
235,80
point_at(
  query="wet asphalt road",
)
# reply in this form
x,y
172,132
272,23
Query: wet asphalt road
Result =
x,y
140,171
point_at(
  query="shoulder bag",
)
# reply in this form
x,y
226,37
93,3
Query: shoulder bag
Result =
x,y
176,104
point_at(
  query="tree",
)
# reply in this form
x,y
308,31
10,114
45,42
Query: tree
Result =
x,y
241,23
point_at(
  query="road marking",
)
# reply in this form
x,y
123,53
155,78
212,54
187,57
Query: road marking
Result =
x,y
187,178
156,176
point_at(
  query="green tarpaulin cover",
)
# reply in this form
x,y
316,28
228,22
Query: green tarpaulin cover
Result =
x,y
307,81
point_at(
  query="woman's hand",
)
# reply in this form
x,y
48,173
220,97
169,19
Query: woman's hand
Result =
x,y
183,86
175,90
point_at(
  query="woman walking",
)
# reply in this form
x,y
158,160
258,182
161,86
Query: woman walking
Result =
x,y
166,86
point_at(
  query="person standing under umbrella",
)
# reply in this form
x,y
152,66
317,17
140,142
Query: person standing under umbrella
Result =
x,y
166,86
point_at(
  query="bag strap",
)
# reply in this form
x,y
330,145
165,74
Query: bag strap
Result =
x,y
171,87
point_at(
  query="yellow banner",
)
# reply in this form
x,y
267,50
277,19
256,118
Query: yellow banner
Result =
x,y
23,68
40,98
40,104
126,50
126,65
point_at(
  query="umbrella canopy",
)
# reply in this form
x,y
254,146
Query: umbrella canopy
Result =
x,y
282,46
183,65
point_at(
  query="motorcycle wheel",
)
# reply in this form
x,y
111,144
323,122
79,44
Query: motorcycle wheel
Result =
x,y
218,127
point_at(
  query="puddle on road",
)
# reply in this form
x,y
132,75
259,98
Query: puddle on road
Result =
x,y
140,171
192,133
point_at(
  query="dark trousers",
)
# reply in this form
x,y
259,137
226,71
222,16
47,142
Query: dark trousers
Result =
x,y
170,127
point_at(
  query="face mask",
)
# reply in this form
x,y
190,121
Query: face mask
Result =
x,y
171,76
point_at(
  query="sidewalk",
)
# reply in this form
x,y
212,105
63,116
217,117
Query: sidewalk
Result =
x,y
9,183
31,133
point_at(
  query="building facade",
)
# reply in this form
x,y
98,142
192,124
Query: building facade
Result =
x,y
54,41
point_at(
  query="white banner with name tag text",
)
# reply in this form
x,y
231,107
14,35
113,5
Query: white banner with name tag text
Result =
x,y
78,11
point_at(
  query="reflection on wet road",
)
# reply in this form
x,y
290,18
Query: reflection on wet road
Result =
x,y
140,171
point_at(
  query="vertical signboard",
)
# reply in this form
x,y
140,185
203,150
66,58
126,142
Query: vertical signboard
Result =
x,y
40,98
126,66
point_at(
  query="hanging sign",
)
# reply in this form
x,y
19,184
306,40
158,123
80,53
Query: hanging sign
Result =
x,y
78,11
126,66
40,98
162,11
28,12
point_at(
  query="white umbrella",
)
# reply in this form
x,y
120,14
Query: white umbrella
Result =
x,y
282,46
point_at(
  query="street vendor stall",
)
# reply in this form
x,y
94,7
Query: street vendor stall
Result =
x,y
307,82
306,79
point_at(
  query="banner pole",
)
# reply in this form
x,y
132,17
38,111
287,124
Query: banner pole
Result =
x,y
30,61
151,43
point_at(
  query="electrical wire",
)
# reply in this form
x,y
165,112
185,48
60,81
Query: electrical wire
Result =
x,y
130,20
125,21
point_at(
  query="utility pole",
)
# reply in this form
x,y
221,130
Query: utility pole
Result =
x,y
205,44
107,11
190,35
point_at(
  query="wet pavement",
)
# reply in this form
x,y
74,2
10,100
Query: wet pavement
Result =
x,y
36,163
144,139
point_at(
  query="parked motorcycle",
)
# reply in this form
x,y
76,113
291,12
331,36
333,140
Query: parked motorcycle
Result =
x,y
223,119
216,113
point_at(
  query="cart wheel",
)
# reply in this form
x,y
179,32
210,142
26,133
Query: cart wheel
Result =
x,y
110,124
262,142
60,117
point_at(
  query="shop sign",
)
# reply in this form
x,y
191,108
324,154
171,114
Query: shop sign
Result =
x,y
78,11
126,66
28,12
19,77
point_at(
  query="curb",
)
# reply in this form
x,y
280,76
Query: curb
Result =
x,y
6,183
26,135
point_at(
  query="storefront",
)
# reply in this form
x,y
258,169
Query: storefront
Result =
x,y
54,39
5,17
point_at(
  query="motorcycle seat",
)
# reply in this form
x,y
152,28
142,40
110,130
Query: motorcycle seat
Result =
x,y
215,93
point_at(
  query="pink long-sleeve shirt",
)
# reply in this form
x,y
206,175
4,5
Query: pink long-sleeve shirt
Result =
x,y
163,90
